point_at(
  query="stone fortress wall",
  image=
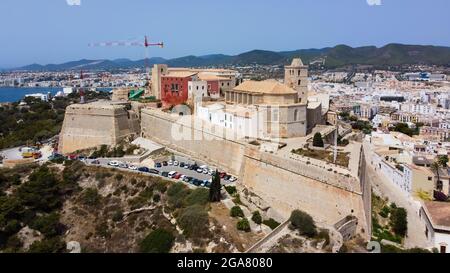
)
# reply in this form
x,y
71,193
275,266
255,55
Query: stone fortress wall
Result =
x,y
90,125
283,184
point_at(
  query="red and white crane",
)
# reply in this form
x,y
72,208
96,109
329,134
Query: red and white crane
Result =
x,y
146,44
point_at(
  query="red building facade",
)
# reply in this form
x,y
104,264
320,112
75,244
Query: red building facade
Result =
x,y
174,90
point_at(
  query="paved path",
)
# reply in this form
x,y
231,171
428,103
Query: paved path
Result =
x,y
381,186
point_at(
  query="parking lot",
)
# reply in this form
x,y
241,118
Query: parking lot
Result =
x,y
168,168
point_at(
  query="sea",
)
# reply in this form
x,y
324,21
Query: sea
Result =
x,y
13,94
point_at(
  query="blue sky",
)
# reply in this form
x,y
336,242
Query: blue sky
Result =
x,y
51,31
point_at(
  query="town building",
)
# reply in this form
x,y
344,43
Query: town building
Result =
x,y
436,216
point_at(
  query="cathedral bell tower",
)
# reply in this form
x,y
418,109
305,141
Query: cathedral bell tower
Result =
x,y
296,77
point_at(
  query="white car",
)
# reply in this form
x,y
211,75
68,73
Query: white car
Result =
x,y
199,170
170,162
182,177
114,163
186,166
175,163
205,171
132,167
232,179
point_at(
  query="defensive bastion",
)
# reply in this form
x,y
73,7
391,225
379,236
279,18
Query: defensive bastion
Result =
x,y
96,123
279,183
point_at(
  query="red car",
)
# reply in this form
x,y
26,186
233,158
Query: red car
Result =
x,y
177,176
72,156
223,174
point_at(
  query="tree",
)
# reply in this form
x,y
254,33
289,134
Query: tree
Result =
x,y
236,211
399,221
443,160
256,217
435,166
318,141
215,189
243,225
303,222
157,241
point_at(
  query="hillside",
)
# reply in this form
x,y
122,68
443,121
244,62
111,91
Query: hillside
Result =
x,y
340,55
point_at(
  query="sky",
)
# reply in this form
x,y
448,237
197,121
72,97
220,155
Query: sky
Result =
x,y
56,31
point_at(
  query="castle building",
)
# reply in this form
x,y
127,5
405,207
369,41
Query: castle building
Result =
x,y
171,85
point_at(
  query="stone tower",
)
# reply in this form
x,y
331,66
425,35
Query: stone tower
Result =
x,y
158,70
296,77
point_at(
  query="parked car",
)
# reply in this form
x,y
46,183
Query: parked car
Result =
x,y
205,171
199,170
197,182
187,179
114,163
223,174
208,184
193,167
170,162
92,157
132,167
158,165
123,165
153,171
227,177
82,157
95,162
177,176
182,164
144,169
165,163
232,179
172,174
176,163
72,157
165,174
55,156
187,166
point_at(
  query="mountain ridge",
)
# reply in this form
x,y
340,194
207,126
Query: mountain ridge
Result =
x,y
337,56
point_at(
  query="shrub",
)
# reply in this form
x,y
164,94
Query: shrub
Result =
x,y
199,196
243,225
90,197
231,189
177,193
117,216
52,245
119,177
156,198
271,223
324,235
399,221
157,241
256,217
318,141
385,212
194,221
47,224
102,230
236,211
303,222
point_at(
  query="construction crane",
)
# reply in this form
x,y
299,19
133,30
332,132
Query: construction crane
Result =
x,y
146,44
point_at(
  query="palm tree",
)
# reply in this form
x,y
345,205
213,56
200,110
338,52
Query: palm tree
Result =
x,y
435,167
